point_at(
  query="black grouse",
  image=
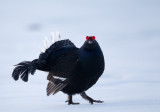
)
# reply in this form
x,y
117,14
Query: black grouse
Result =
x,y
71,70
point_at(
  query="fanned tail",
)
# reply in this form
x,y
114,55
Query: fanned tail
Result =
x,y
23,69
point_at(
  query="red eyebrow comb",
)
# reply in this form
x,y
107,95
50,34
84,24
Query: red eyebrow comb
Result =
x,y
93,37
87,38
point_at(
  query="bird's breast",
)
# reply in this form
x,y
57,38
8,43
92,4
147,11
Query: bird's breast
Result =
x,y
92,63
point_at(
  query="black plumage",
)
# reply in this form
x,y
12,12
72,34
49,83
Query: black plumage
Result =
x,y
71,70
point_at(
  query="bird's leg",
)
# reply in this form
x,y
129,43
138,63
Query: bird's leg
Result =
x,y
83,94
70,100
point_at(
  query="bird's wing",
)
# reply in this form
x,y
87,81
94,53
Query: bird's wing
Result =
x,y
55,51
66,64
59,59
62,72
55,84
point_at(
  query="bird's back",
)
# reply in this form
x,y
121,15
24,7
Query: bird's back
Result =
x,y
54,53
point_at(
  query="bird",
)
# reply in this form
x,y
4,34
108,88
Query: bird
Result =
x,y
71,70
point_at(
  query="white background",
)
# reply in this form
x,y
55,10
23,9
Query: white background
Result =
x,y
128,32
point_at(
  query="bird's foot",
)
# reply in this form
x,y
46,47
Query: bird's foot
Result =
x,y
72,103
91,101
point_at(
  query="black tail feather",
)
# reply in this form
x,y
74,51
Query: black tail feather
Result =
x,y
23,69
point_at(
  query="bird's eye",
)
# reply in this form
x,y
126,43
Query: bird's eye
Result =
x,y
93,37
87,38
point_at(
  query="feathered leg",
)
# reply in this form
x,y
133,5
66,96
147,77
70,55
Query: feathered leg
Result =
x,y
83,94
70,101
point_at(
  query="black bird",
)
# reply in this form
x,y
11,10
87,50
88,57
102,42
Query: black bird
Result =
x,y
71,70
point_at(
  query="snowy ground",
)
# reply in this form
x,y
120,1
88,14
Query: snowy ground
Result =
x,y
127,30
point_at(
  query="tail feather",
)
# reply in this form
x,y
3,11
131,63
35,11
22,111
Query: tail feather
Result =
x,y
16,71
23,69
24,75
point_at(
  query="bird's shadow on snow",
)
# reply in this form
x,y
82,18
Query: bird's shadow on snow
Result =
x,y
81,105
105,104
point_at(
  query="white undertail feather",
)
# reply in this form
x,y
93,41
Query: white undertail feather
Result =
x,y
41,49
52,37
47,41
45,44
55,36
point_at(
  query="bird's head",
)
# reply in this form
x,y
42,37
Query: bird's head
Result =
x,y
90,43
90,39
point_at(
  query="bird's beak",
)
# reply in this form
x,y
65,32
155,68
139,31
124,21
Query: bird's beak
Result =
x,y
90,42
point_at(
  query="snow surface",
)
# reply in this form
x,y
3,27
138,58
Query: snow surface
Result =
x,y
127,30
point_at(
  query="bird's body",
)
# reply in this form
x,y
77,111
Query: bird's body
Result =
x,y
71,70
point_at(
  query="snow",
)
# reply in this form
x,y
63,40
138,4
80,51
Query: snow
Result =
x,y
128,32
